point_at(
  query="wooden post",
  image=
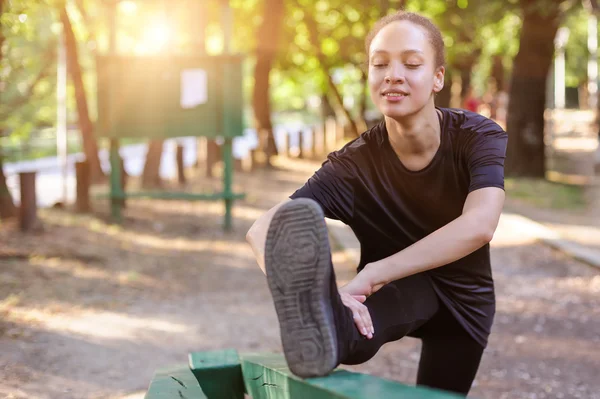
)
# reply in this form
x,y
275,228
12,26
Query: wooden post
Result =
x,y
247,162
82,177
317,141
325,149
301,144
253,154
116,181
212,156
311,135
180,166
28,210
339,133
238,165
227,156
124,177
200,151
330,134
285,144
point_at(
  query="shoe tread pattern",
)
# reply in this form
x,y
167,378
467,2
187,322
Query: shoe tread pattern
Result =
x,y
297,258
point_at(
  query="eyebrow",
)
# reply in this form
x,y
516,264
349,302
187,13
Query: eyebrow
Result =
x,y
409,51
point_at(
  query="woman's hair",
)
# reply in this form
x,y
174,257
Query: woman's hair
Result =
x,y
435,36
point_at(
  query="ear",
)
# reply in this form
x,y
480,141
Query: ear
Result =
x,y
438,79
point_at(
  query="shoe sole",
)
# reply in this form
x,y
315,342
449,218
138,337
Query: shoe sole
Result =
x,y
298,268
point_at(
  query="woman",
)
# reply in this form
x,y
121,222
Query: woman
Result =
x,y
423,192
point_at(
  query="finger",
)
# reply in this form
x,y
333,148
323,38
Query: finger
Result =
x,y
366,316
355,306
366,328
360,324
360,298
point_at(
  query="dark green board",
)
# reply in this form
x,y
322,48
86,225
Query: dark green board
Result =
x,y
175,383
268,377
226,375
219,373
141,97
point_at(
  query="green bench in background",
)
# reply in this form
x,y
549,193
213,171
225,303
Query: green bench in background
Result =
x,y
227,375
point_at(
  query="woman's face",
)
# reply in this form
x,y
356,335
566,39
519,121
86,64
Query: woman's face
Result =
x,y
402,71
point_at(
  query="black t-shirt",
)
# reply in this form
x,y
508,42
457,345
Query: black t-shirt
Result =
x,y
389,207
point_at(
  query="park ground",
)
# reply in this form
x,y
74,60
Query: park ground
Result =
x,y
89,309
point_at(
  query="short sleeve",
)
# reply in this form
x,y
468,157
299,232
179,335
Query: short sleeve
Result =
x,y
486,153
331,187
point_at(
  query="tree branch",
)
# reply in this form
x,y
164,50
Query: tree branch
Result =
x,y
313,33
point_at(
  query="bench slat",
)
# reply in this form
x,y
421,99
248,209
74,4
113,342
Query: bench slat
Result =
x,y
219,373
175,383
268,377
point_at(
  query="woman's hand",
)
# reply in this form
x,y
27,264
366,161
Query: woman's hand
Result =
x,y
354,294
360,313
363,284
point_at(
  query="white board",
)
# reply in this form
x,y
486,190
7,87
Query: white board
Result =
x,y
193,88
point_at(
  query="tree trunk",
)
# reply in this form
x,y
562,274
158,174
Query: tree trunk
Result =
x,y
7,206
268,38
498,73
362,105
327,109
527,95
353,125
261,105
465,81
90,146
151,174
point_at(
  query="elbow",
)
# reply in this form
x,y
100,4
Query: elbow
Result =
x,y
484,236
481,229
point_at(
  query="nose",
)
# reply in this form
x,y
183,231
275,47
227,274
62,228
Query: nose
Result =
x,y
394,74
392,79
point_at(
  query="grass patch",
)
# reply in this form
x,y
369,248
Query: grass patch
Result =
x,y
545,194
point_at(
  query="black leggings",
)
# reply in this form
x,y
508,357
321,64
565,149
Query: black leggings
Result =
x,y
410,307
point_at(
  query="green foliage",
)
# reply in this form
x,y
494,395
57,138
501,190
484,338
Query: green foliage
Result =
x,y
498,39
474,32
27,67
576,52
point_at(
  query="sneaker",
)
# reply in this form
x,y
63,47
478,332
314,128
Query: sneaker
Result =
x,y
299,272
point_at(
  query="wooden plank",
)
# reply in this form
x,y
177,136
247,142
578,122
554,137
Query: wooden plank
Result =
x,y
28,210
180,166
82,178
175,383
219,373
184,196
268,377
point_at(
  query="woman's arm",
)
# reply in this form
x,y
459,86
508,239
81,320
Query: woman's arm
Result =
x,y
467,233
257,235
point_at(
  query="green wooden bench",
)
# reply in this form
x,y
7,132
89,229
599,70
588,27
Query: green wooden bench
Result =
x,y
227,375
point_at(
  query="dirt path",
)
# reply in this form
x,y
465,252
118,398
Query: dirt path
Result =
x,y
98,308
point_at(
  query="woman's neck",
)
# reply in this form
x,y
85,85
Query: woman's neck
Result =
x,y
415,136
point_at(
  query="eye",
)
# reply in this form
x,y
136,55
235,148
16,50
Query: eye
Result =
x,y
412,66
379,62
